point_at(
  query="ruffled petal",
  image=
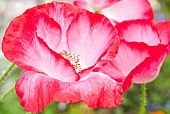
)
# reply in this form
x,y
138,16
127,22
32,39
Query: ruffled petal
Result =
x,y
129,56
139,31
164,32
25,27
89,36
81,4
112,51
94,5
127,82
22,46
129,10
62,13
37,90
48,30
149,69
100,4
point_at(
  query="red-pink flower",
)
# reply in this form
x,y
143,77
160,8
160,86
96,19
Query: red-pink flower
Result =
x,y
58,46
118,10
143,48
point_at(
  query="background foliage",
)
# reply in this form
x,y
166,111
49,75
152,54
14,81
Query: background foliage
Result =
x,y
158,91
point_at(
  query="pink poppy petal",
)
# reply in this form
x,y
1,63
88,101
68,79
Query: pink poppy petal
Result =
x,y
49,31
37,90
81,4
127,82
111,52
109,56
129,10
62,13
89,36
22,46
92,5
149,69
26,26
129,56
164,32
138,31
100,4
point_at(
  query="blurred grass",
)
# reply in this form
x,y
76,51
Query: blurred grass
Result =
x,y
165,7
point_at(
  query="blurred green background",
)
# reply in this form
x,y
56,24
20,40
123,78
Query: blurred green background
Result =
x,y
158,91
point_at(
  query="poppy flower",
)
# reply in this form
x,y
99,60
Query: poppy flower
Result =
x,y
118,10
58,45
143,48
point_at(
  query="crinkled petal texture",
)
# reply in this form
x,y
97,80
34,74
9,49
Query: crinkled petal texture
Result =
x,y
128,57
149,69
119,10
141,52
164,33
139,31
129,10
100,4
89,36
36,91
93,5
33,40
63,14
81,4
22,46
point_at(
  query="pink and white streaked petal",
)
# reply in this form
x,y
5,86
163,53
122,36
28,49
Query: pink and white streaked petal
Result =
x,y
139,31
20,47
63,14
112,51
25,27
109,56
30,52
90,36
129,10
37,90
164,32
81,4
51,63
100,4
49,31
149,69
124,62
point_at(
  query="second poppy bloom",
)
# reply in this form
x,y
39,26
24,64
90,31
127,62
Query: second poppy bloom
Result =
x,y
118,10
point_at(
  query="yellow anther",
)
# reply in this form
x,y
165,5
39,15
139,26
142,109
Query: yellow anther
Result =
x,y
74,60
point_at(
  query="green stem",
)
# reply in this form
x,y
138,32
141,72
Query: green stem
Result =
x,y
143,102
6,72
7,93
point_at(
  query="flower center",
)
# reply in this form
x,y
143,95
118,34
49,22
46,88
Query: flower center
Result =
x,y
97,11
74,60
